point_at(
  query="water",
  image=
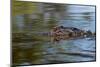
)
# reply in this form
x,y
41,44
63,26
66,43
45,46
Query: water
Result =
x,y
65,51
77,50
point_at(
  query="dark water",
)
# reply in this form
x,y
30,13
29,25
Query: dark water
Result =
x,y
42,52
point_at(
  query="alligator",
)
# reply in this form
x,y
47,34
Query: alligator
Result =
x,y
71,33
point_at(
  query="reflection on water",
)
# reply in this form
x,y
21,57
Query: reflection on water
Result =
x,y
65,51
39,49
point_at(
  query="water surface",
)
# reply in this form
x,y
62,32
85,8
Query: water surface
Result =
x,y
43,52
